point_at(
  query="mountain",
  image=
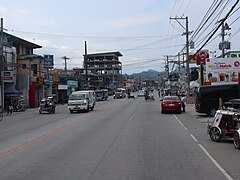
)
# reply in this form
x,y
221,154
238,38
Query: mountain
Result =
x,y
146,75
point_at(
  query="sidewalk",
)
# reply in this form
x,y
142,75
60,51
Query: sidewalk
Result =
x,y
191,107
191,100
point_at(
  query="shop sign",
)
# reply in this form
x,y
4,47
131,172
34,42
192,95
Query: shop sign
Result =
x,y
48,61
8,76
72,84
64,75
200,58
223,69
48,79
62,87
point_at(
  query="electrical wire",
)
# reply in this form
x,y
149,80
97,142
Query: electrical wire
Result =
x,y
203,21
227,15
93,37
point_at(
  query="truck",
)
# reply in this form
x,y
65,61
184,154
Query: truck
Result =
x,y
210,98
82,101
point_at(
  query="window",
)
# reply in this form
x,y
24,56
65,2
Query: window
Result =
x,y
34,69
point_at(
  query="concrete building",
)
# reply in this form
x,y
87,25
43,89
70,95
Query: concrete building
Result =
x,y
104,70
28,69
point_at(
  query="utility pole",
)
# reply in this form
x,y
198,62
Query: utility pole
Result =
x,y
223,34
224,44
167,66
65,62
85,64
187,48
179,66
2,69
187,57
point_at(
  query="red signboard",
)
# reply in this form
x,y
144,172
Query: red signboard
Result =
x,y
7,78
202,56
207,83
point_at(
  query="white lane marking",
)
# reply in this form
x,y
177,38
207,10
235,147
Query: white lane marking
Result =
x,y
206,152
216,163
180,122
195,139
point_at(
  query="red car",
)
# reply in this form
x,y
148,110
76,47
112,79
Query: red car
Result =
x,y
171,104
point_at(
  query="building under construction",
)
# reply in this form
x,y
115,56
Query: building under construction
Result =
x,y
103,70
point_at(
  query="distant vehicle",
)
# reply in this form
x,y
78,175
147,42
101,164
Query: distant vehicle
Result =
x,y
149,96
101,94
207,97
141,93
120,93
82,100
130,95
171,104
47,105
225,124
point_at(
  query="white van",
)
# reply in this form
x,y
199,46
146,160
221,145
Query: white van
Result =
x,y
81,100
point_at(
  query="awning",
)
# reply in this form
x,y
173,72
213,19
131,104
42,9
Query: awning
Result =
x,y
194,84
11,90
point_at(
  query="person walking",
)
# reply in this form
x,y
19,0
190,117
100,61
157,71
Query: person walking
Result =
x,y
10,107
184,103
159,93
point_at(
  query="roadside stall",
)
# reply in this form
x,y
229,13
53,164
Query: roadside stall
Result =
x,y
16,97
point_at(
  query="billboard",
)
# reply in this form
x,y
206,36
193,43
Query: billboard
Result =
x,y
48,61
222,69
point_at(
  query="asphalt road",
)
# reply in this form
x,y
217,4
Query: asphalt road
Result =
x,y
119,139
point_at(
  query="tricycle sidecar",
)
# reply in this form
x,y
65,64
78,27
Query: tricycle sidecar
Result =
x,y
47,105
224,124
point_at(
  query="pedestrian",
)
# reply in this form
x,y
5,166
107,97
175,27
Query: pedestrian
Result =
x,y
184,103
146,95
162,92
159,93
10,107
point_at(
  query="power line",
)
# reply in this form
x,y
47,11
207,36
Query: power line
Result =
x,y
220,24
203,21
94,37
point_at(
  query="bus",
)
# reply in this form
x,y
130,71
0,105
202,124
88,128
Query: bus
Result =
x,y
210,98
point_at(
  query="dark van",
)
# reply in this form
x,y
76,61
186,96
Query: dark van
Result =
x,y
207,97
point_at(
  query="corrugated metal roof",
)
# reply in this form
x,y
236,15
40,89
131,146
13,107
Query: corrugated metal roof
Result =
x,y
13,39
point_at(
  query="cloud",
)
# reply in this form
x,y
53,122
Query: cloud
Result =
x,y
75,58
3,10
133,21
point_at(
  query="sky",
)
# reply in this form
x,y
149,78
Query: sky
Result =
x,y
141,30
